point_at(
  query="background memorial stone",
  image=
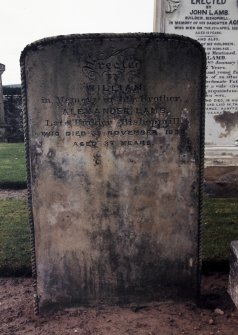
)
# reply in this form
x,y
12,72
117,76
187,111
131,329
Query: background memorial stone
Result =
x,y
114,127
214,24
13,113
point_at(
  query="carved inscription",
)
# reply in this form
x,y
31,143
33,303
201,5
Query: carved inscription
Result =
x,y
75,114
126,116
214,24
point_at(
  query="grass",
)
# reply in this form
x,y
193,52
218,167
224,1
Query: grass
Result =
x,y
220,227
12,165
14,237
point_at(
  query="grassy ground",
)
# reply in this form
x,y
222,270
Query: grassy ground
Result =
x,y
14,237
220,227
12,165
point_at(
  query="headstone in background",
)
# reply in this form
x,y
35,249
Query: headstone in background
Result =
x,y
2,113
114,128
233,276
13,113
215,25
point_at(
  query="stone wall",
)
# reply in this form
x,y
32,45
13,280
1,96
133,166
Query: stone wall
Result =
x,y
13,113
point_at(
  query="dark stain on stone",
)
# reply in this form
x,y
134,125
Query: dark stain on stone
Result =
x,y
87,285
56,166
51,153
228,121
185,144
85,181
58,170
36,152
111,192
111,247
97,158
194,191
108,211
141,261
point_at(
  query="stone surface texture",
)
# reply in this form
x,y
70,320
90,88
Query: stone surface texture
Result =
x,y
233,276
114,126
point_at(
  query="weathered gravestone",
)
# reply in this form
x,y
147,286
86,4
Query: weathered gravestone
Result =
x,y
114,130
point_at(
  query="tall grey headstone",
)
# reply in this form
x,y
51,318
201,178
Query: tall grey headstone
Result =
x,y
114,128
2,113
215,25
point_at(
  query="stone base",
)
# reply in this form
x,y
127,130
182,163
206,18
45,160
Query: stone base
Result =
x,y
233,277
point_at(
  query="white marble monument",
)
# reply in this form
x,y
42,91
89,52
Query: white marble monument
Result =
x,y
214,23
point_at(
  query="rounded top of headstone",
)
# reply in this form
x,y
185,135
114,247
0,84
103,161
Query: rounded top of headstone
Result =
x,y
2,68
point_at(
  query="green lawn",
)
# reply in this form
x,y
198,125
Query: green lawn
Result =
x,y
14,237
220,227
12,165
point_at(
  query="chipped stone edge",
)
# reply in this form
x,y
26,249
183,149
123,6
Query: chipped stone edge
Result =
x,y
37,45
201,171
29,190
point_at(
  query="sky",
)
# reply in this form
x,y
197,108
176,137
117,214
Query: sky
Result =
x,y
25,21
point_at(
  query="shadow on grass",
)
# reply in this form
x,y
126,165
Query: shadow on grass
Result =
x,y
24,271
13,185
